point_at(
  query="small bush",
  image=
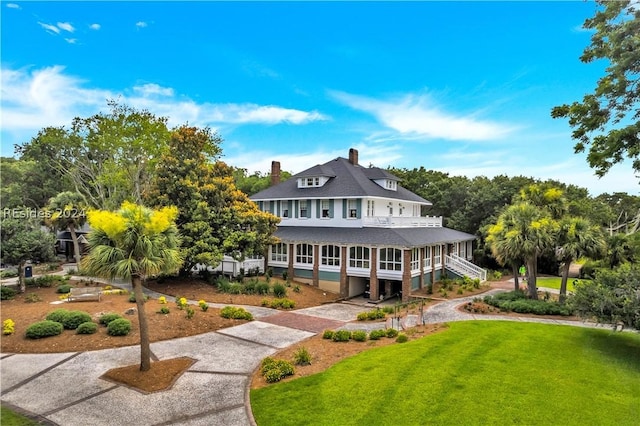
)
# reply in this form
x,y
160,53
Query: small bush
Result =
x,y
119,327
296,288
63,289
234,312
279,290
388,309
32,298
203,305
162,300
7,293
74,318
88,327
302,357
163,310
105,319
236,288
59,315
402,338
42,329
359,335
328,334
275,370
190,312
377,334
8,327
8,274
391,333
262,288
282,304
341,336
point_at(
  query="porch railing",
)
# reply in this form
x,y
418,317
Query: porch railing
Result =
x,y
464,267
402,222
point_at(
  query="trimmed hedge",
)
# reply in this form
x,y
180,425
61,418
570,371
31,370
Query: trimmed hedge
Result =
x,y
42,329
88,327
105,319
119,327
74,319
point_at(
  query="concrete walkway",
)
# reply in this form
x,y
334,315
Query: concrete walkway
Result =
x,y
66,388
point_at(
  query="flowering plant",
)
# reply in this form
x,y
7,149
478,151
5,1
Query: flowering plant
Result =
x,y
8,327
203,305
162,300
181,302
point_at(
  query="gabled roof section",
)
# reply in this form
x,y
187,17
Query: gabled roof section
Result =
x,y
346,180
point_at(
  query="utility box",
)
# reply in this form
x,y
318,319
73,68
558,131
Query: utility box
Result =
x,y
28,271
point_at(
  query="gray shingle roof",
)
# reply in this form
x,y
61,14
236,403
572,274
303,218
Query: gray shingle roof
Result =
x,y
387,237
345,181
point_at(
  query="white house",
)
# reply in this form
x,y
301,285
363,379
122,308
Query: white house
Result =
x,y
350,230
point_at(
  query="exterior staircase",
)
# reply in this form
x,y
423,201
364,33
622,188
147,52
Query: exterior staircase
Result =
x,y
463,267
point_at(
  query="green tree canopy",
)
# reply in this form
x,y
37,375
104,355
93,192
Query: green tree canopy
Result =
x,y
22,239
608,120
108,158
215,217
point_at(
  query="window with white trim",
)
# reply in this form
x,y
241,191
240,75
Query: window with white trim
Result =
x,y
284,209
352,209
416,210
330,256
390,259
437,255
302,208
371,208
427,258
359,257
462,252
415,259
324,209
304,253
279,252
308,182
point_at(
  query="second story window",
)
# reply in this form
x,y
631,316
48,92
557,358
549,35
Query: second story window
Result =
x,y
284,208
324,207
303,208
371,208
353,209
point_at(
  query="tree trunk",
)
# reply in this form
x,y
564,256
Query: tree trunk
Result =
x,y
516,282
532,272
145,349
563,282
76,246
21,282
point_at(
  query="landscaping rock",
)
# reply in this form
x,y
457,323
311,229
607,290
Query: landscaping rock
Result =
x,y
131,311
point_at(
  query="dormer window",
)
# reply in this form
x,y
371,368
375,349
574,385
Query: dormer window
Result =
x,y
388,184
311,182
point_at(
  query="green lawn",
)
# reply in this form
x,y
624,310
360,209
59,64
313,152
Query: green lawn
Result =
x,y
554,282
475,373
11,418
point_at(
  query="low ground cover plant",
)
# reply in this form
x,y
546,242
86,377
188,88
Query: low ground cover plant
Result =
x,y
372,315
8,327
275,370
7,293
105,319
302,356
517,301
278,303
88,327
234,312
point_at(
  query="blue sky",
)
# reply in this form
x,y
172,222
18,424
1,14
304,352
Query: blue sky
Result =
x,y
461,87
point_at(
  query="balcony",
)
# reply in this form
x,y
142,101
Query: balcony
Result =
x,y
402,222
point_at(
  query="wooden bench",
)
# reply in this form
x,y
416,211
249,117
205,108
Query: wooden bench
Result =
x,y
84,293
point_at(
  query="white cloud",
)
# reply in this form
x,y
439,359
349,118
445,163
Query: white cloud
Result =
x,y
13,6
418,116
95,26
141,24
33,99
50,28
151,89
71,40
66,26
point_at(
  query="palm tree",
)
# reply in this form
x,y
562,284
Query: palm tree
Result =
x,y
134,243
522,231
577,238
68,212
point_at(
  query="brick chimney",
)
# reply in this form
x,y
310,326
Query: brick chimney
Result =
x,y
353,156
275,173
